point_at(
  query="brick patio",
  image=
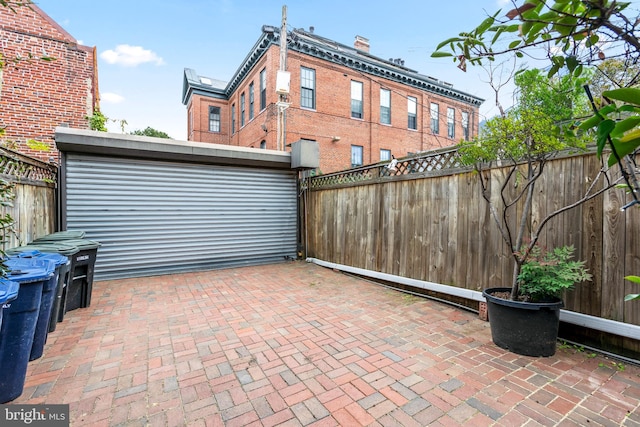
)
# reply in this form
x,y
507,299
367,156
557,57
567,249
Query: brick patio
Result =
x,y
297,344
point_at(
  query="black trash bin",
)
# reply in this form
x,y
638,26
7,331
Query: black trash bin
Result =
x,y
19,325
49,294
78,293
53,247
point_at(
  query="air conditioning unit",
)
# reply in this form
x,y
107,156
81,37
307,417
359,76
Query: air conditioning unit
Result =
x,y
283,82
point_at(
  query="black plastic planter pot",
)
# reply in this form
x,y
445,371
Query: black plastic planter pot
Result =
x,y
529,329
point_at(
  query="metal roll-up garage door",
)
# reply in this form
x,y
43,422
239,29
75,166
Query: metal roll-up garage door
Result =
x,y
154,217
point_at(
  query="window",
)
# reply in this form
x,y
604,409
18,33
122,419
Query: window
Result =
x,y
263,89
465,125
451,122
412,108
356,155
385,154
307,88
435,113
356,99
242,110
385,106
214,119
251,101
233,118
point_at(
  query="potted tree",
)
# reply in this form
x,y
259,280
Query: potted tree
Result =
x,y
524,316
573,36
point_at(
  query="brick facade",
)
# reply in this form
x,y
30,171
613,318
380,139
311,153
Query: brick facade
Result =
x,y
36,95
330,122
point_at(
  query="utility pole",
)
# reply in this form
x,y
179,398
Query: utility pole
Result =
x,y
282,104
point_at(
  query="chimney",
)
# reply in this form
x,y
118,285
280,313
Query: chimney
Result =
x,y
361,44
311,29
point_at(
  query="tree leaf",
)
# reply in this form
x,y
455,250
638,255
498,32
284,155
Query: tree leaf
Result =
x,y
514,44
441,54
485,25
630,95
634,279
590,122
626,125
497,35
604,130
578,71
592,40
512,28
622,149
572,63
447,41
629,109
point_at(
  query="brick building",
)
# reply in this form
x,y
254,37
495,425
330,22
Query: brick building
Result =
x,y
37,94
359,108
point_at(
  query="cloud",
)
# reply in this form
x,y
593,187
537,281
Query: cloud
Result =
x,y
111,98
130,56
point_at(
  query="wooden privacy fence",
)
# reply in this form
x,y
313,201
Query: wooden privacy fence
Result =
x,y
34,205
427,220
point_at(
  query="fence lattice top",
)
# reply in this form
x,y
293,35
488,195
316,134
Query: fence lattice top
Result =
x,y
17,167
431,162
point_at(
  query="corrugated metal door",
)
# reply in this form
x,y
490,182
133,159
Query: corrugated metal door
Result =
x,y
157,217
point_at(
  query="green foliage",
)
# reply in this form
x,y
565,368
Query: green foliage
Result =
x,y
7,195
537,126
618,366
634,279
547,274
38,145
571,34
624,134
98,121
13,4
149,131
569,31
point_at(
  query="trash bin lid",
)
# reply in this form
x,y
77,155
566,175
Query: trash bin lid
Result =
x,y
29,270
46,247
62,235
8,291
58,259
79,243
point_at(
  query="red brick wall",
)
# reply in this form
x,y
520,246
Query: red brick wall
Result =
x,y
332,115
36,95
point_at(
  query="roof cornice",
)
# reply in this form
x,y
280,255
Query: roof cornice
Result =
x,y
324,49
369,64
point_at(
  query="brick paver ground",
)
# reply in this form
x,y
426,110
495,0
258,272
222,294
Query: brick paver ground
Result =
x,y
296,344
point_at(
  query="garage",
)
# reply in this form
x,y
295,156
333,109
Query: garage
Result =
x,y
163,206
